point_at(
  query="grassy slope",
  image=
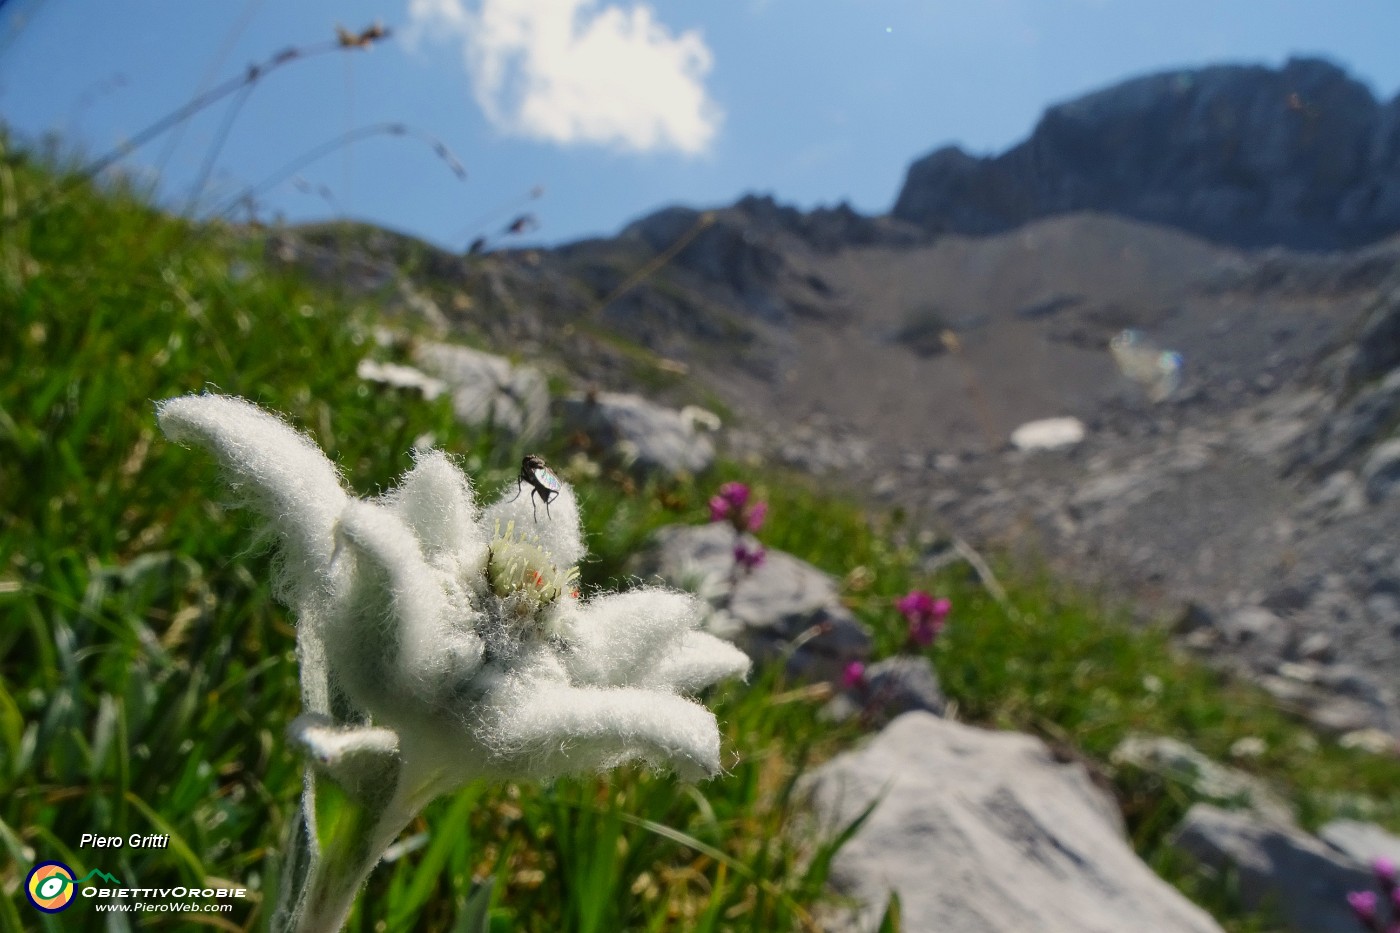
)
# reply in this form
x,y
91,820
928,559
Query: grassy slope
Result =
x,y
146,675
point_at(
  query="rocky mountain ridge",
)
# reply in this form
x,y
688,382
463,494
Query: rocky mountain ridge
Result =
x,y
1302,156
1253,501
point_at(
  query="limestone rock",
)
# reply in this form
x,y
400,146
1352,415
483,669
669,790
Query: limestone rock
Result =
x,y
785,608
1354,425
1381,474
1303,879
1376,350
1048,434
489,389
1174,760
986,831
892,687
1361,842
639,432
397,376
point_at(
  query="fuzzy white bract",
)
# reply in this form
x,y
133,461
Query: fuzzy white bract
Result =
x,y
441,643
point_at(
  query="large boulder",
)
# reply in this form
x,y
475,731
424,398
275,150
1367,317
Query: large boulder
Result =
x,y
1278,867
890,688
641,433
784,609
1361,842
1376,349
396,376
1173,760
1359,420
986,831
489,390
1381,472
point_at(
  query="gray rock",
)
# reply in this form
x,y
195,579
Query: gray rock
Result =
x,y
1381,474
1383,609
1252,624
1376,350
489,389
1356,422
1375,741
905,684
639,432
739,250
1175,760
983,831
1361,842
1321,707
1194,617
1317,647
396,376
1338,496
819,447
1303,879
892,687
785,609
1048,434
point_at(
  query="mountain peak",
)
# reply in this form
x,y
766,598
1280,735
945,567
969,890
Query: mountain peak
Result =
x,y
1303,155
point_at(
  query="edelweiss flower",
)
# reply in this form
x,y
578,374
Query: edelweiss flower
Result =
x,y
439,644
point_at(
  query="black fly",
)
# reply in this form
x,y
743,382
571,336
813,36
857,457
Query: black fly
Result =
x,y
543,482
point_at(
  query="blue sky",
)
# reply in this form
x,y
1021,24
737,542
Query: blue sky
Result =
x,y
613,107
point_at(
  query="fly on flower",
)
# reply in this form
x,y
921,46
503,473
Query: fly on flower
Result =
x,y
543,482
441,644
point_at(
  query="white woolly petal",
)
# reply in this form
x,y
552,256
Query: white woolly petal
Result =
x,y
557,527
287,479
699,660
619,638
435,500
363,760
291,485
545,731
435,652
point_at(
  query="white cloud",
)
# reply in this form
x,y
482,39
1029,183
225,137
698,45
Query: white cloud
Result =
x,y
570,71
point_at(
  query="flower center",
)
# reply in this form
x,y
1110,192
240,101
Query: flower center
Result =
x,y
521,573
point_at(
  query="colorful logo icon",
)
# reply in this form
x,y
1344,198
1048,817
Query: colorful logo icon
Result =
x,y
50,887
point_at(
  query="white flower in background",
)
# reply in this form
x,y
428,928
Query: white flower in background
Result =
x,y
440,644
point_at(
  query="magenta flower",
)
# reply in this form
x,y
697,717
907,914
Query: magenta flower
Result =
x,y
731,504
747,557
918,604
720,509
1363,904
732,497
853,676
1385,873
926,616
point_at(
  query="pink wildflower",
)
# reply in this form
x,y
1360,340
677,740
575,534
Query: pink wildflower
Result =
x,y
1385,872
731,504
1363,904
719,509
925,614
853,676
749,558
